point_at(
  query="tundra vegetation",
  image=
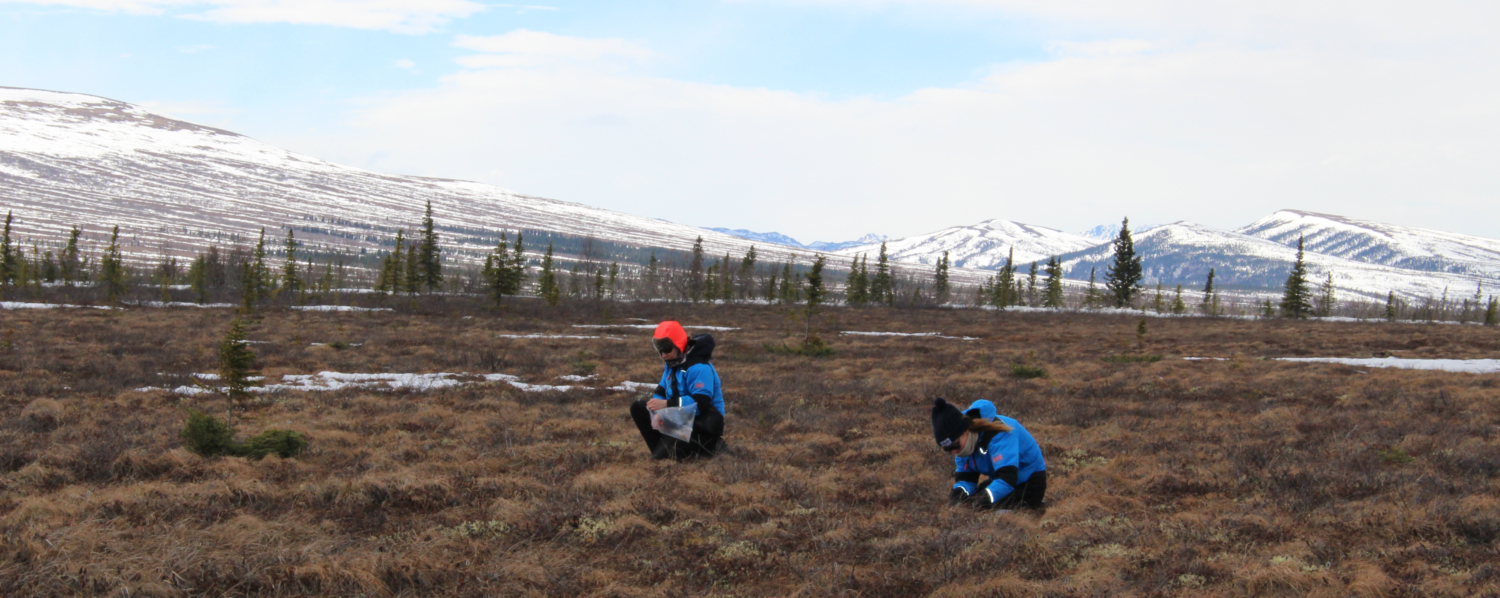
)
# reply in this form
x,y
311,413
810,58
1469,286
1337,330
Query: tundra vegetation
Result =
x,y
1242,476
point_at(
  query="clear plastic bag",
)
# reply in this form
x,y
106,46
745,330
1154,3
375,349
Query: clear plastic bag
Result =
x,y
676,422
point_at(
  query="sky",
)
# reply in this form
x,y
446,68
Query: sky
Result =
x,y
830,119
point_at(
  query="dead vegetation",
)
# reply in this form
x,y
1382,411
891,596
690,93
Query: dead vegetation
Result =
x,y
1241,477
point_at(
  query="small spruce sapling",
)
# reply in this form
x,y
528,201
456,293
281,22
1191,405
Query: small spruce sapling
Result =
x,y
237,373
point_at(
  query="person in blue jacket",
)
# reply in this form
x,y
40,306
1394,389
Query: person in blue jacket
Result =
x,y
984,443
687,378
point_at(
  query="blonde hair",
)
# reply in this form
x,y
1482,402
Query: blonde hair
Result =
x,y
985,425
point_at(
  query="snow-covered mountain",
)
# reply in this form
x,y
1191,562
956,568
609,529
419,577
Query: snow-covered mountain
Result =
x,y
1183,252
751,235
1379,243
71,159
780,239
985,245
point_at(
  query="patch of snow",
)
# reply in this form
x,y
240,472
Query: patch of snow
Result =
x,y
338,308
345,344
653,326
628,386
516,382
924,334
1205,359
21,305
573,378
1472,366
574,336
182,304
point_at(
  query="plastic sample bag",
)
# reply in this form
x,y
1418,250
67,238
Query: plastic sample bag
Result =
x,y
676,422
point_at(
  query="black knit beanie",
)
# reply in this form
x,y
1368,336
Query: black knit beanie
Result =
x,y
947,424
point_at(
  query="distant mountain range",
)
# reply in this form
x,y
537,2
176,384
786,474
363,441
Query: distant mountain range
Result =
x,y
175,187
780,239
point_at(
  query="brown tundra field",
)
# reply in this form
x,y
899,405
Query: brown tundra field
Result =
x,y
1244,476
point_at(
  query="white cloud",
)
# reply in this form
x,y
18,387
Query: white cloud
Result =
x,y
405,64
401,16
194,49
1210,133
534,48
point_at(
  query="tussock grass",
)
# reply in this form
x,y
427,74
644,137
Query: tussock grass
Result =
x,y
1205,478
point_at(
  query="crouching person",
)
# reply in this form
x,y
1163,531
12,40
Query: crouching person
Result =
x,y
687,379
987,444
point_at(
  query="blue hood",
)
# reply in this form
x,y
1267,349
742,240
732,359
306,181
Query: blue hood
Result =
x,y
981,409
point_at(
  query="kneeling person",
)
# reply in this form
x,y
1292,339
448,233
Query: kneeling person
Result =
x,y
687,379
997,447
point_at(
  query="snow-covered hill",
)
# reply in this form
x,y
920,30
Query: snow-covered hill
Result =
x,y
985,245
70,159
1379,243
1183,252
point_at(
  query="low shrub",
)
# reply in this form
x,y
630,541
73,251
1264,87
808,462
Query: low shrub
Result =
x,y
1027,372
208,436
812,346
285,443
42,415
1133,358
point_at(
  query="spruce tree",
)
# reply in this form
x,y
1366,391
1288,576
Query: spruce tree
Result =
x,y
711,282
391,270
1390,307
8,265
50,271
547,287
771,287
1492,313
1208,292
1053,298
1156,302
1123,278
1031,286
1326,297
695,272
814,294
652,277
289,279
1091,298
614,280
746,273
1003,289
788,290
940,288
1178,307
1296,300
858,291
264,284
412,281
516,273
429,255
598,283
726,281
237,373
574,286
112,269
880,286
71,265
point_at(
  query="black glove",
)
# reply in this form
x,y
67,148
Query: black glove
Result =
x,y
957,496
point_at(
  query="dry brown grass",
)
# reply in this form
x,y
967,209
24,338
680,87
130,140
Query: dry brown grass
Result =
x,y
1243,477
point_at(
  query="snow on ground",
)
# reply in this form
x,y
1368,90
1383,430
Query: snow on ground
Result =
x,y
575,336
345,344
652,326
331,381
181,304
20,305
628,386
338,308
1472,366
924,334
573,378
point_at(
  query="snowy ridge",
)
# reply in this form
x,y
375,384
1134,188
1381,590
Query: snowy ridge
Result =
x,y
1183,252
1379,243
985,245
69,159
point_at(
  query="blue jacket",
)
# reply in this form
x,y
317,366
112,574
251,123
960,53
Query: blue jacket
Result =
x,y
694,378
1006,458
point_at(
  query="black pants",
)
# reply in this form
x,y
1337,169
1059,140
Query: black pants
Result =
x,y
1027,495
707,430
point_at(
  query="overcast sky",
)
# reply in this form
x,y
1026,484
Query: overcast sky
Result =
x,y
829,119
